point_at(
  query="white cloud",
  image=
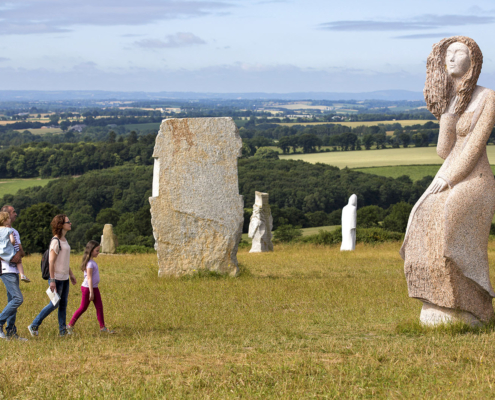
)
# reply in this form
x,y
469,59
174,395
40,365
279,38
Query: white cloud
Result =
x,y
46,16
180,39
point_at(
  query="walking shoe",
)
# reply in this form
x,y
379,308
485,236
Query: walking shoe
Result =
x,y
2,335
15,336
24,278
69,329
106,330
33,330
63,333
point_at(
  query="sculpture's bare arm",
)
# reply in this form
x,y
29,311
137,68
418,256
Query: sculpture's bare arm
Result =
x,y
476,144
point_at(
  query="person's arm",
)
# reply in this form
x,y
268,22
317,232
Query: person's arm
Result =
x,y
12,238
72,277
89,275
51,266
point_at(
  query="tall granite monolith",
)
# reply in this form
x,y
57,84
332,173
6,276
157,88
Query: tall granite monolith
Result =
x,y
196,209
261,224
109,241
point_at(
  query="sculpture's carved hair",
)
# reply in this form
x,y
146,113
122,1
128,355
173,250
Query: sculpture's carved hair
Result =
x,y
439,86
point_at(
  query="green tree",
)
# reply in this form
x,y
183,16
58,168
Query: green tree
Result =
x,y
287,233
267,153
34,227
108,216
369,216
396,220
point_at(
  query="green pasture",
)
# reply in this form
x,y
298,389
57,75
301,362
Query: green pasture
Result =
x,y
306,231
11,186
303,322
378,158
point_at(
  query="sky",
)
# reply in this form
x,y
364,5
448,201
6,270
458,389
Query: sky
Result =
x,y
228,46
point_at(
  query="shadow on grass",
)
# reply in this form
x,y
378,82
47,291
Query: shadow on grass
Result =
x,y
204,274
415,328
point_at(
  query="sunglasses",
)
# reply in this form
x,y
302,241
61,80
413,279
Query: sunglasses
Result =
x,y
68,222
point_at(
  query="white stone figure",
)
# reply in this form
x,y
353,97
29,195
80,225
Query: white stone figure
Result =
x,y
109,241
261,224
349,220
196,210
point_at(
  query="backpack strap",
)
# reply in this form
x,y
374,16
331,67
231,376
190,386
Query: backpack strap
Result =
x,y
59,245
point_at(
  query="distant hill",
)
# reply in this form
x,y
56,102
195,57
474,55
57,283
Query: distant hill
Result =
x,y
34,95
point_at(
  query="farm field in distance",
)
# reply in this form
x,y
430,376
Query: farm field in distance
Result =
x,y
302,322
353,124
11,186
378,158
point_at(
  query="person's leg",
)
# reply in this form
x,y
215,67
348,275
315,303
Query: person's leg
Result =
x,y
83,307
14,300
45,312
99,307
62,308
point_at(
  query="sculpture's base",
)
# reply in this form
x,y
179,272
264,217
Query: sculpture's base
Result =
x,y
433,315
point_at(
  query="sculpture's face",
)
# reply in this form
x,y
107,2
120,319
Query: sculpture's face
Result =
x,y
457,59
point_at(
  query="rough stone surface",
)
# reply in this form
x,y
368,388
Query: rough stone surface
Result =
x,y
445,247
433,315
261,224
109,241
196,209
349,220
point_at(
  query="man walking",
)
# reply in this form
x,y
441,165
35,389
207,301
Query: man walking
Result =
x,y
10,278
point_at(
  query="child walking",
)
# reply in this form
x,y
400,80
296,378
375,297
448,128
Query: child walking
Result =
x,y
89,288
7,243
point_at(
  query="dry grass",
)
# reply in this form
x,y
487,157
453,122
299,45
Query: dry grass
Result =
x,y
379,158
302,322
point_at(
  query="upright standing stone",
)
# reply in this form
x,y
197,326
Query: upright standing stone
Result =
x,y
196,209
108,240
349,222
261,224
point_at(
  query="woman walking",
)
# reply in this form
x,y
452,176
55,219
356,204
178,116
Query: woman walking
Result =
x,y
60,273
89,288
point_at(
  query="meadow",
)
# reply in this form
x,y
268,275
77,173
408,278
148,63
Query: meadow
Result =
x,y
11,186
379,158
301,322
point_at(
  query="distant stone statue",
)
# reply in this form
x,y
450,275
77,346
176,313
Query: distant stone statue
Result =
x,y
109,241
349,220
261,224
445,247
196,210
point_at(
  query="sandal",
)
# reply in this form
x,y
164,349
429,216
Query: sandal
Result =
x,y
106,330
24,278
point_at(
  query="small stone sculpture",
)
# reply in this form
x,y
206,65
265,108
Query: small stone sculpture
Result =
x,y
349,220
261,224
445,247
196,209
109,241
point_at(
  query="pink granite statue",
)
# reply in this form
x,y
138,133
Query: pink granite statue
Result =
x,y
445,247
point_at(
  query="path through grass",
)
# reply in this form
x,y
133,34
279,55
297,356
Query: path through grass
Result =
x,y
302,322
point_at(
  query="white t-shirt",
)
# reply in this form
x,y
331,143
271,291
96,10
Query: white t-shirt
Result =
x,y
12,268
62,263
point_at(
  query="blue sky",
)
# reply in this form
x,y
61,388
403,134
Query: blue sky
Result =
x,y
232,45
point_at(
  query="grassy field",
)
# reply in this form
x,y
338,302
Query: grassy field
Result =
x,y
407,122
379,158
11,186
306,231
42,131
302,322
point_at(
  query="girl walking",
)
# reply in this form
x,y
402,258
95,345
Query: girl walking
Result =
x,y
89,288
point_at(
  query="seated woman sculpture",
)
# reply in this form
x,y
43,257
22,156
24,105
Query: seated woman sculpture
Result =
x,y
445,247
